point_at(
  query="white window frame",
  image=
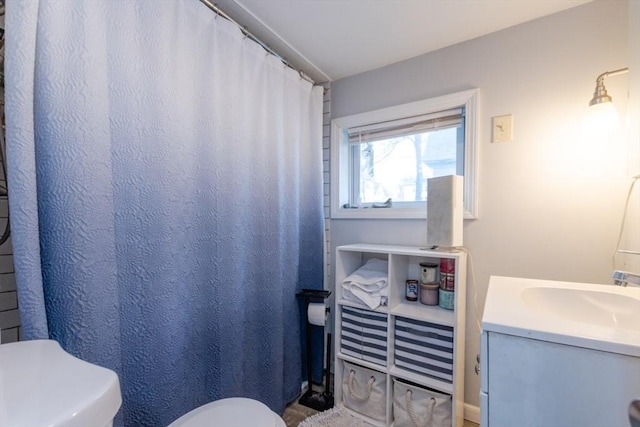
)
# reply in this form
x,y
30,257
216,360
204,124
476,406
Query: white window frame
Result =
x,y
340,154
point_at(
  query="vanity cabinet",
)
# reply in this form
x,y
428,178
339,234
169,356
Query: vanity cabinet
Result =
x,y
558,354
528,382
402,340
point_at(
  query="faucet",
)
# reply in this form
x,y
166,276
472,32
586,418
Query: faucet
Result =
x,y
623,278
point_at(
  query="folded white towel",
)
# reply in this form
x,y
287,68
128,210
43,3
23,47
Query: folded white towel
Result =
x,y
368,284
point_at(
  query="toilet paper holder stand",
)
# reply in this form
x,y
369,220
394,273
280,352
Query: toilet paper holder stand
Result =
x,y
320,401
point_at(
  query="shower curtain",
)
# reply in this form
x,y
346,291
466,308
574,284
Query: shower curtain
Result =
x,y
165,198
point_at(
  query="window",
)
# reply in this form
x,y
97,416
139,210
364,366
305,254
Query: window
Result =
x,y
394,159
383,158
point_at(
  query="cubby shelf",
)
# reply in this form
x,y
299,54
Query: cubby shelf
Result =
x,y
404,264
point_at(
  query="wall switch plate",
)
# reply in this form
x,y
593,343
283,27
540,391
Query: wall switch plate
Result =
x,y
502,128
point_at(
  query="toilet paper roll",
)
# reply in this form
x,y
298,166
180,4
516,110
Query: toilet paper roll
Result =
x,y
317,313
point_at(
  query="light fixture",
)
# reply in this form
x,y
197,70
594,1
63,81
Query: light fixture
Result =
x,y
602,115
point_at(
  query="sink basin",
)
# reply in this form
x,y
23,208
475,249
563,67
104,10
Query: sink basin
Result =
x,y
597,317
597,308
561,353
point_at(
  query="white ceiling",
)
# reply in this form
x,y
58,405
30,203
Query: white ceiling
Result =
x,y
332,39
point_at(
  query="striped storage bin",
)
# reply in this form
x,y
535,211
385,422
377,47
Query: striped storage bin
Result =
x,y
364,335
425,348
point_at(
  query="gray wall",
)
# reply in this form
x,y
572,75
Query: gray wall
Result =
x,y
550,202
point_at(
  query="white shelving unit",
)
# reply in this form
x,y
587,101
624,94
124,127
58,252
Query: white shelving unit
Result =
x,y
404,264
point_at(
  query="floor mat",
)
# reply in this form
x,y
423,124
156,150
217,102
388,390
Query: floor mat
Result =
x,y
336,417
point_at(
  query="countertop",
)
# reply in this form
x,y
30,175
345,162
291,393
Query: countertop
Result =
x,y
599,317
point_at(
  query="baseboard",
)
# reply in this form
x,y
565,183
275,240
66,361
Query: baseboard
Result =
x,y
472,413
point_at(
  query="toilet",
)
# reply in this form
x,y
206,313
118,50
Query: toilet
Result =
x,y
43,385
231,412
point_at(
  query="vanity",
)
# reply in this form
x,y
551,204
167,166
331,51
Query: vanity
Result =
x,y
559,353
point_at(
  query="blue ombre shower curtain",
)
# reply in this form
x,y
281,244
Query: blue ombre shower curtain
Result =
x,y
165,198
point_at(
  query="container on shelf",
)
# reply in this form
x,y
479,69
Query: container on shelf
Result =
x,y
424,348
428,272
429,293
364,391
413,403
411,293
446,299
364,335
448,265
447,274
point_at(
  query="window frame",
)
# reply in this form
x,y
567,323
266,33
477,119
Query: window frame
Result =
x,y
340,168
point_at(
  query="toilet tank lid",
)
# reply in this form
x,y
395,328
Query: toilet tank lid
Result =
x,y
231,412
41,384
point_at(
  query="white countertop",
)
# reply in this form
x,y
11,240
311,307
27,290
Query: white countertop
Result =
x,y
599,317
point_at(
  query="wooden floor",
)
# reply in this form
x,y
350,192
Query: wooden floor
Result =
x,y
296,413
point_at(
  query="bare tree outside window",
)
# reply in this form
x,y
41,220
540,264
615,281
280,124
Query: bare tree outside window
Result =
x,y
398,168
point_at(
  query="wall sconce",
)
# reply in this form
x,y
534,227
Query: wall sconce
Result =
x,y
602,114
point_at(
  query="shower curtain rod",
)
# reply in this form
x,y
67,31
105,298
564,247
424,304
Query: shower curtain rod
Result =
x,y
214,7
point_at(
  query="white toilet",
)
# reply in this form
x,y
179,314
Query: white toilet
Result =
x,y
232,412
42,385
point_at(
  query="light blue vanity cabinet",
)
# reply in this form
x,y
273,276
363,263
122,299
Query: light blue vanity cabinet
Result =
x,y
545,365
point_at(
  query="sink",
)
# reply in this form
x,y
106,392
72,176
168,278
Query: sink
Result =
x,y
564,353
598,308
587,315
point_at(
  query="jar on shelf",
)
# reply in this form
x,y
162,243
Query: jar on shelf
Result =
x,y
428,272
447,274
446,299
411,291
429,293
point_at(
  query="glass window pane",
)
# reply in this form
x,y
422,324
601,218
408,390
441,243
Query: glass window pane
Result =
x,y
398,168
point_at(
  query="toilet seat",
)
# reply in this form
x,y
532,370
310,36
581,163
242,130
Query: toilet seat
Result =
x,y
231,412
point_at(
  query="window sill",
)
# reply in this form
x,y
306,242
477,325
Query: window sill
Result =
x,y
385,213
379,213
